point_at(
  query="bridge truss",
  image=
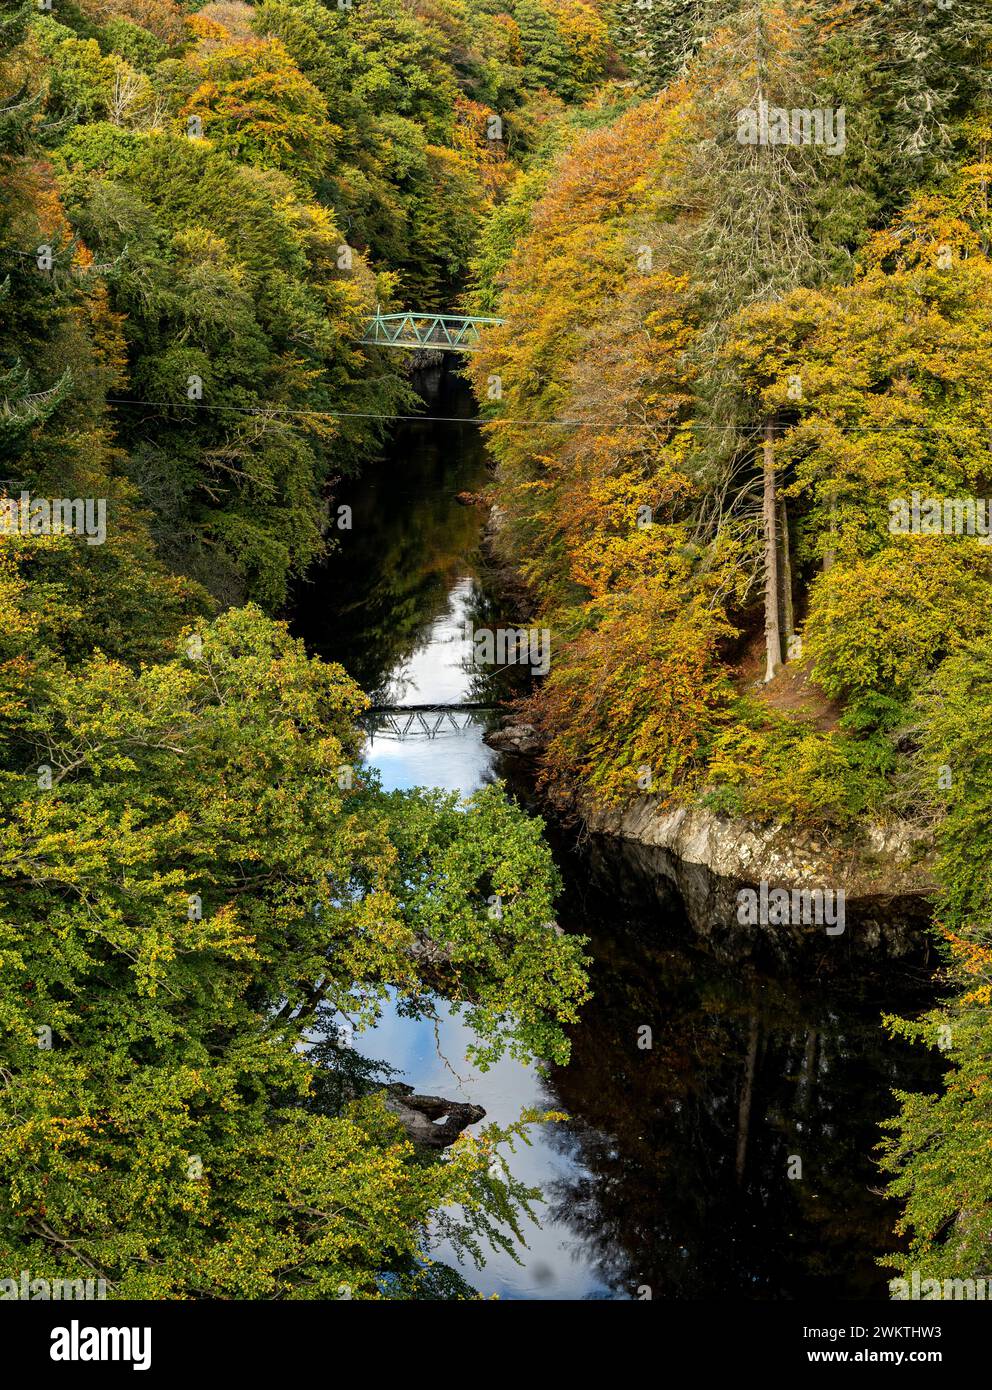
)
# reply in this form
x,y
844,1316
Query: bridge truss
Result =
x,y
442,332
420,721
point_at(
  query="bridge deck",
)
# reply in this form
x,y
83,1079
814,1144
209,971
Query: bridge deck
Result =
x,y
426,709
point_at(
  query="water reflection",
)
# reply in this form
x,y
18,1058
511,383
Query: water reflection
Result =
x,y
673,1173
382,602
684,1150
437,671
435,1061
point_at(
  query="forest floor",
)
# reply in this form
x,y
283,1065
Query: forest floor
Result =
x,y
793,691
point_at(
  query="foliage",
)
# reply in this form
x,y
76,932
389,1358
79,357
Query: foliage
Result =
x,y
214,780
200,206
764,766
938,1146
719,350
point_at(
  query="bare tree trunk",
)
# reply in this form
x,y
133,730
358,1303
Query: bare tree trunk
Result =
x,y
788,610
747,1094
773,633
807,1075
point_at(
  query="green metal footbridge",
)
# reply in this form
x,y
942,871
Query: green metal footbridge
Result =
x,y
440,332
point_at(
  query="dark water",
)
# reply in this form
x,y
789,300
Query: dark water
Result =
x,y
730,1158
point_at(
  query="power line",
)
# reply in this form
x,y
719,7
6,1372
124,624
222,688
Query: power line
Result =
x,y
371,415
684,427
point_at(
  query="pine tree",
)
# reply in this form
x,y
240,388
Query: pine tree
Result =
x,y
932,67
756,237
658,39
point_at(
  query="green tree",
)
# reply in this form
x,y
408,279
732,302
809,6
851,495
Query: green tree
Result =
x,y
191,893
937,1147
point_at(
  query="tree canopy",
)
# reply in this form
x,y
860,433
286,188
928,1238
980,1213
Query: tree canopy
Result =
x,y
203,889
747,328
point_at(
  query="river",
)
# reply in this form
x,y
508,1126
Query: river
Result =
x,y
676,1174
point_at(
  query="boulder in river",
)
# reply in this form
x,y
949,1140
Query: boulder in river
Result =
x,y
523,740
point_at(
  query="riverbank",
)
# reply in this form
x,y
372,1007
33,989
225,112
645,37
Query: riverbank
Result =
x,y
885,874
886,871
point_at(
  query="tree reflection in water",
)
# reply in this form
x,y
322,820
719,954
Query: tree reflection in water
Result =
x,y
682,1153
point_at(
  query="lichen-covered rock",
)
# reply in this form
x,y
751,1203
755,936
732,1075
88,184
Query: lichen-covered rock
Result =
x,y
522,740
893,860
885,874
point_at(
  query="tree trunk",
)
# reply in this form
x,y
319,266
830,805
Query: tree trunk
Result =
x,y
773,633
788,611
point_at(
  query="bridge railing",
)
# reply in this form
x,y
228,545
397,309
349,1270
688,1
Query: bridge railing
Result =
x,y
442,332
